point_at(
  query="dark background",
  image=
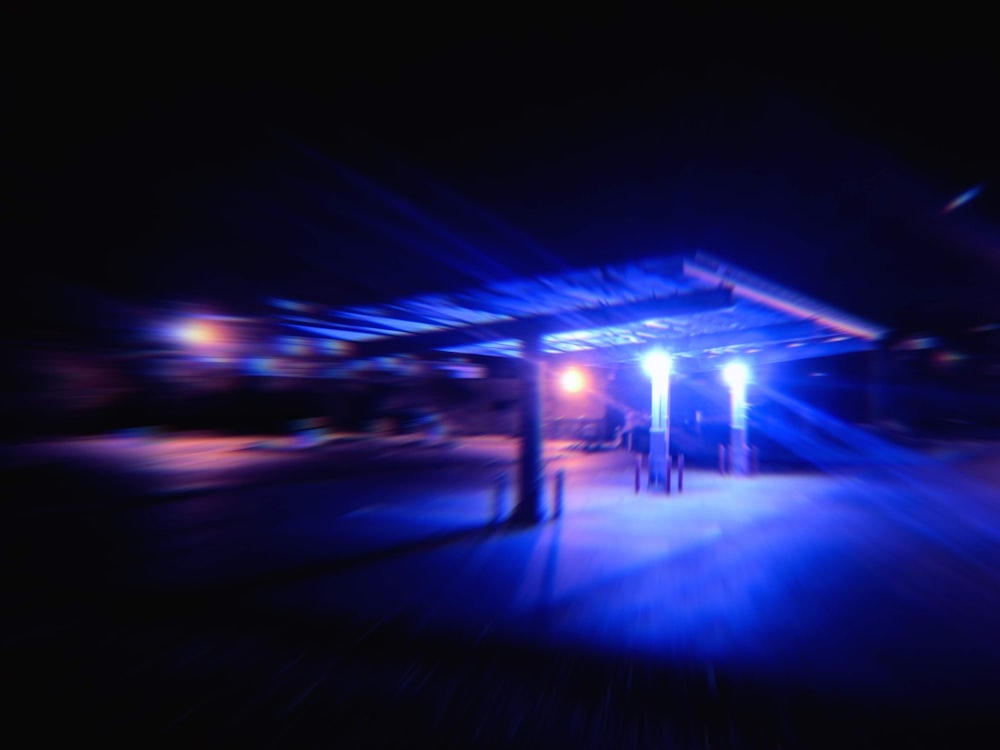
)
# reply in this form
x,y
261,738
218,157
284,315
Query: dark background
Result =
x,y
221,160
191,162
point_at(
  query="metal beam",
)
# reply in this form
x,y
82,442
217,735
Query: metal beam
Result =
x,y
759,290
813,350
760,336
573,320
808,350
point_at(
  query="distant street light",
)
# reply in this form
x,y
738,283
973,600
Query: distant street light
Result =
x,y
573,380
196,333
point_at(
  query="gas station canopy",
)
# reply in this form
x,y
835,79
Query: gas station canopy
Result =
x,y
695,307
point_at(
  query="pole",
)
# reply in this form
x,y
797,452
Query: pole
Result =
x,y
878,370
638,473
667,477
499,497
659,430
528,510
680,473
722,459
738,429
557,493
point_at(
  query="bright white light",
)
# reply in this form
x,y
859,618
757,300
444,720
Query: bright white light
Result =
x,y
572,380
656,364
735,374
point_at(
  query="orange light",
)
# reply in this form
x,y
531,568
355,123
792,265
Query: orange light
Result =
x,y
573,380
197,333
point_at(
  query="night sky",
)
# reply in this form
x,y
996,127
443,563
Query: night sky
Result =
x,y
222,161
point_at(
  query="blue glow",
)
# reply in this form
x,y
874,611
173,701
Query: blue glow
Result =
x,y
294,346
259,366
333,346
917,343
476,262
964,198
772,309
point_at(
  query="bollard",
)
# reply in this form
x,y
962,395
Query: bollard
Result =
x,y
499,497
670,462
638,473
557,492
680,473
754,465
722,459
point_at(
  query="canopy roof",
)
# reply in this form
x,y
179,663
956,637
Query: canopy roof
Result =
x,y
696,307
